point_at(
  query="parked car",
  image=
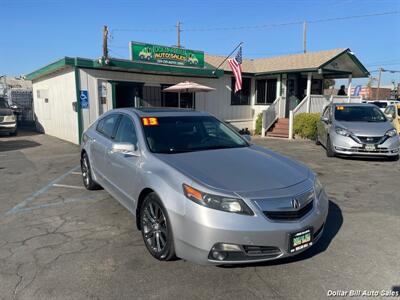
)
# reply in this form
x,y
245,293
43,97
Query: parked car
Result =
x,y
357,129
199,190
8,120
392,113
382,104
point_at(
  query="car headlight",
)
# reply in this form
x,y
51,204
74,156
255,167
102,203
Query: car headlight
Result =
x,y
392,132
228,204
318,188
342,131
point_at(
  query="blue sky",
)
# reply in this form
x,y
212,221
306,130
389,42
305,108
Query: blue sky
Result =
x,y
35,33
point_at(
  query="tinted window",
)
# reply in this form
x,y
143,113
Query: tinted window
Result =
x,y
381,104
359,114
106,126
126,131
3,104
242,97
186,134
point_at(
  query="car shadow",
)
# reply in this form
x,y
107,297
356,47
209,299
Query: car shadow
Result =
x,y
332,226
17,145
362,158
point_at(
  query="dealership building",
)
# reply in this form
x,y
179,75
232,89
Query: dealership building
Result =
x,y
71,93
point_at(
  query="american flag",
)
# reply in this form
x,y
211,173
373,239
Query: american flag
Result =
x,y
236,66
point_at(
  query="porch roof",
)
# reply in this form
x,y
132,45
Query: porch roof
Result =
x,y
334,63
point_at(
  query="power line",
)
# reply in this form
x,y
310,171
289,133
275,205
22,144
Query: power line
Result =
x,y
257,27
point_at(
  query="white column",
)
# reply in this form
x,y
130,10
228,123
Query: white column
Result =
x,y
291,124
309,78
349,86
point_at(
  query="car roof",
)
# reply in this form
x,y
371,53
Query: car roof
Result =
x,y
354,104
165,112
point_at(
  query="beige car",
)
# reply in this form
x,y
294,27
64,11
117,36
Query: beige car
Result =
x,y
392,112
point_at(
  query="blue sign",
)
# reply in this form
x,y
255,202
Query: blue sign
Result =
x,y
357,90
84,97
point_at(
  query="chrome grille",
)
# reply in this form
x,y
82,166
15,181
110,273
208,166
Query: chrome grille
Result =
x,y
289,215
370,139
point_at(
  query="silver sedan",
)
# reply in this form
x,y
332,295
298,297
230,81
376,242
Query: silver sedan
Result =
x,y
199,190
357,129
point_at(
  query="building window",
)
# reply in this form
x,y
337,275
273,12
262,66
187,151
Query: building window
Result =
x,y
265,91
242,97
261,92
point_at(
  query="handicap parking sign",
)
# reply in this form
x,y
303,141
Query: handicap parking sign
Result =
x,y
84,97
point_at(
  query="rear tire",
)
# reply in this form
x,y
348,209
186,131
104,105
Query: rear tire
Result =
x,y
88,181
329,148
156,228
317,142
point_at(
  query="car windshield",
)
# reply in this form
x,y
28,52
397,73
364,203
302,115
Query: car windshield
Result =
x,y
4,104
359,114
187,134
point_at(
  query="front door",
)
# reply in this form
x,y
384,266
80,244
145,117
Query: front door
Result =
x,y
123,168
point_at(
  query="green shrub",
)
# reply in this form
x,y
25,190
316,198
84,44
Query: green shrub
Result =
x,y
258,124
305,125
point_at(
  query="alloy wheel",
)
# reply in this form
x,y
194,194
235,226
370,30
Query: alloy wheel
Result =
x,y
155,228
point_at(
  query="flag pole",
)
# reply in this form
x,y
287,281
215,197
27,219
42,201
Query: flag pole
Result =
x,y
240,44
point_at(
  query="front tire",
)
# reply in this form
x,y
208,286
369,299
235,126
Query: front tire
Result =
x,y
156,228
14,133
394,158
88,181
329,148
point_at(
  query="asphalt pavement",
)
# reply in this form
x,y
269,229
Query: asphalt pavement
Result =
x,y
59,241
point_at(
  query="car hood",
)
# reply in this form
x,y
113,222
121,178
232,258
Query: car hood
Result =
x,y
238,169
366,128
5,112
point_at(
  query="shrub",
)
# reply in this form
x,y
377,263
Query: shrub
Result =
x,y
258,124
305,125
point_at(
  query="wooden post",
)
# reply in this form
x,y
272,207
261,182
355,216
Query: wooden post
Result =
x,y
105,42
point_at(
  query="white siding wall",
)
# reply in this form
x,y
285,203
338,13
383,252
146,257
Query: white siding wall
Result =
x,y
217,102
56,116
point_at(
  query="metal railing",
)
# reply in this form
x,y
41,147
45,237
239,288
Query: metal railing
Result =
x,y
271,114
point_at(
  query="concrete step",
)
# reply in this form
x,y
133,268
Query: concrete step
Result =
x,y
279,130
278,135
281,126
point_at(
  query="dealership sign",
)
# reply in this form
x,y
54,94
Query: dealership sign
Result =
x,y
150,53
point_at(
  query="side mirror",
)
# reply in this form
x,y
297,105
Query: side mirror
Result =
x,y
125,148
247,137
324,119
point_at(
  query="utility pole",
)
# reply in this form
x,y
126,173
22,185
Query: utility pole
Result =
x,y
379,83
105,40
178,34
304,36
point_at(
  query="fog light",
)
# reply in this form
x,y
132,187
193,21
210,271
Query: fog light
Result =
x,y
218,255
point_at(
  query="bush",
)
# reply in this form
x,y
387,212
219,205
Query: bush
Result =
x,y
258,124
305,125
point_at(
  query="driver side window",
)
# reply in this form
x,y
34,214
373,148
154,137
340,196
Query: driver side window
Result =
x,y
126,132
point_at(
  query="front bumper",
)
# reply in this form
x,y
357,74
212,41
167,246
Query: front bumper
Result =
x,y
8,126
201,229
347,146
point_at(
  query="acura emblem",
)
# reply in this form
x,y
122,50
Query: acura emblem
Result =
x,y
296,204
369,139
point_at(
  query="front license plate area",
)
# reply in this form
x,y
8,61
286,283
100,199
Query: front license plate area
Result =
x,y
300,240
370,147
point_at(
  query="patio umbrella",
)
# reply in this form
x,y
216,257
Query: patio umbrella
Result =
x,y
187,87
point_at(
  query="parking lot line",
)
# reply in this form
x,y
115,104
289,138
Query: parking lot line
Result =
x,y
69,186
76,173
44,189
